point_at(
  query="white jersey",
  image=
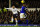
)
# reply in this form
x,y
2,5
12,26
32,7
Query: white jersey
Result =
x,y
13,10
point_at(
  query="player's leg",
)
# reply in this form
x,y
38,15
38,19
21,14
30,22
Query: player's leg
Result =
x,y
16,19
12,19
25,16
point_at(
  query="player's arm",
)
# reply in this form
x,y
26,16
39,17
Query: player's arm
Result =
x,y
27,11
9,8
17,10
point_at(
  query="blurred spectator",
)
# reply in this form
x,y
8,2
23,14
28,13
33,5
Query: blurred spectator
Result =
x,y
17,3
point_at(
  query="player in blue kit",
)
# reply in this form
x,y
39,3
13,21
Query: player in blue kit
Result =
x,y
23,11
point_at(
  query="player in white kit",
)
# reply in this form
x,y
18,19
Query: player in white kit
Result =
x,y
15,13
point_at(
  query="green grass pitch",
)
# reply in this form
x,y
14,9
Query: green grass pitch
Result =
x,y
19,26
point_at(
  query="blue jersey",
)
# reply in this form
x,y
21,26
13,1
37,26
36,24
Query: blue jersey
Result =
x,y
23,9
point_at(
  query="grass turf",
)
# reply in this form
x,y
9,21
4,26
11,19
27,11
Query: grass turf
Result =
x,y
19,26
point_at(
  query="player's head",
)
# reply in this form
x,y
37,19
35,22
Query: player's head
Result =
x,y
13,6
24,4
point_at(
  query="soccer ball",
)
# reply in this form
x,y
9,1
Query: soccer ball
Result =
x,y
22,1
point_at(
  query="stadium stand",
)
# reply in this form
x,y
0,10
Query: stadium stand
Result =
x,y
5,17
17,3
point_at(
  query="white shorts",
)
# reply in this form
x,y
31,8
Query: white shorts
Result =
x,y
22,15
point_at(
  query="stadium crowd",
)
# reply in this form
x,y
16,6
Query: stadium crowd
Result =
x,y
17,3
5,17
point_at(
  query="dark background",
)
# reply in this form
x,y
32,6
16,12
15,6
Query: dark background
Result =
x,y
17,3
